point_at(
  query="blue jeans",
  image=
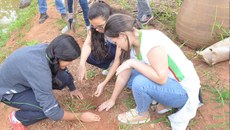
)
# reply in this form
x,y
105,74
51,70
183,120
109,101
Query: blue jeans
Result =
x,y
105,63
85,8
43,6
143,8
30,111
145,90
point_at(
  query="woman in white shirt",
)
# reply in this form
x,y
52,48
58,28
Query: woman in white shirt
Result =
x,y
157,70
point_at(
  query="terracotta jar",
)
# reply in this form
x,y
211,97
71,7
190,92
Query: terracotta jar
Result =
x,y
199,22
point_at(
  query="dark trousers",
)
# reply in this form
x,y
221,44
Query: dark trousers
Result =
x,y
30,111
105,63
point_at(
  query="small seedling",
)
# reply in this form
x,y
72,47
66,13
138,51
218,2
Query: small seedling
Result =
x,y
91,74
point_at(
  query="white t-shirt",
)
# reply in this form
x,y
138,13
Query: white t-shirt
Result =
x,y
180,68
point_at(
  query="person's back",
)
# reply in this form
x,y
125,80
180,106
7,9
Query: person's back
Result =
x,y
180,67
20,64
28,77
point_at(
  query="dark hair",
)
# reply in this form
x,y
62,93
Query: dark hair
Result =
x,y
100,9
118,23
63,47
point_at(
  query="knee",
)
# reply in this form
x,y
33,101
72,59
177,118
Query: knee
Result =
x,y
65,78
138,83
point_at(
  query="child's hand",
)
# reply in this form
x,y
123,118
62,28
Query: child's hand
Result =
x,y
77,94
99,90
106,105
89,117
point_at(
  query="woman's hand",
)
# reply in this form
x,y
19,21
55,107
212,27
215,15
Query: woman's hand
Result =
x,y
106,105
99,90
82,73
125,65
89,117
77,94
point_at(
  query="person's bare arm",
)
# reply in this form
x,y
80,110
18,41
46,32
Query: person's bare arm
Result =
x,y
85,52
121,81
112,71
85,116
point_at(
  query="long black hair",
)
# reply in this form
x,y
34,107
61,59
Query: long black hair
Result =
x,y
63,47
100,9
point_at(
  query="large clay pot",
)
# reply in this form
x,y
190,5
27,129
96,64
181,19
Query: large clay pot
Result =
x,y
197,18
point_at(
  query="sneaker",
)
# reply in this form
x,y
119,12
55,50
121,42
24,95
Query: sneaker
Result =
x,y
105,72
132,117
43,18
17,125
88,28
161,109
154,102
145,19
63,16
65,29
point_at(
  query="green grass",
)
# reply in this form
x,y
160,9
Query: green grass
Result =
x,y
125,4
80,24
76,105
125,127
28,43
4,52
223,126
91,74
61,23
223,96
218,29
71,107
24,16
129,102
162,119
166,16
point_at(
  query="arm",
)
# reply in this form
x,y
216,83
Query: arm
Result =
x,y
85,116
85,52
157,71
112,71
39,78
121,81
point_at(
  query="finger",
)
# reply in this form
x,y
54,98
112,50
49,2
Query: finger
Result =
x,y
96,93
117,73
97,118
94,119
71,96
81,78
80,96
107,108
86,78
101,108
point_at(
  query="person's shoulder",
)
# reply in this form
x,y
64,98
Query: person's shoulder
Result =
x,y
153,31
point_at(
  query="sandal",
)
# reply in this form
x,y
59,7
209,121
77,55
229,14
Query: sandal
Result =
x,y
132,117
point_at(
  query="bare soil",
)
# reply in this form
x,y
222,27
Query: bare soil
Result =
x,y
212,115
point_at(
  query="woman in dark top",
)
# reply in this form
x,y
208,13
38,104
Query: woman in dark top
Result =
x,y
28,76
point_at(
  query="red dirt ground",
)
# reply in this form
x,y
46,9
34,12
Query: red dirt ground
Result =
x,y
209,116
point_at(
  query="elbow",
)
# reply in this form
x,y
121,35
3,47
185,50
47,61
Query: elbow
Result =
x,y
162,79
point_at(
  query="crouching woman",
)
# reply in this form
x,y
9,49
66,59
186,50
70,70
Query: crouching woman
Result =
x,y
157,70
28,76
